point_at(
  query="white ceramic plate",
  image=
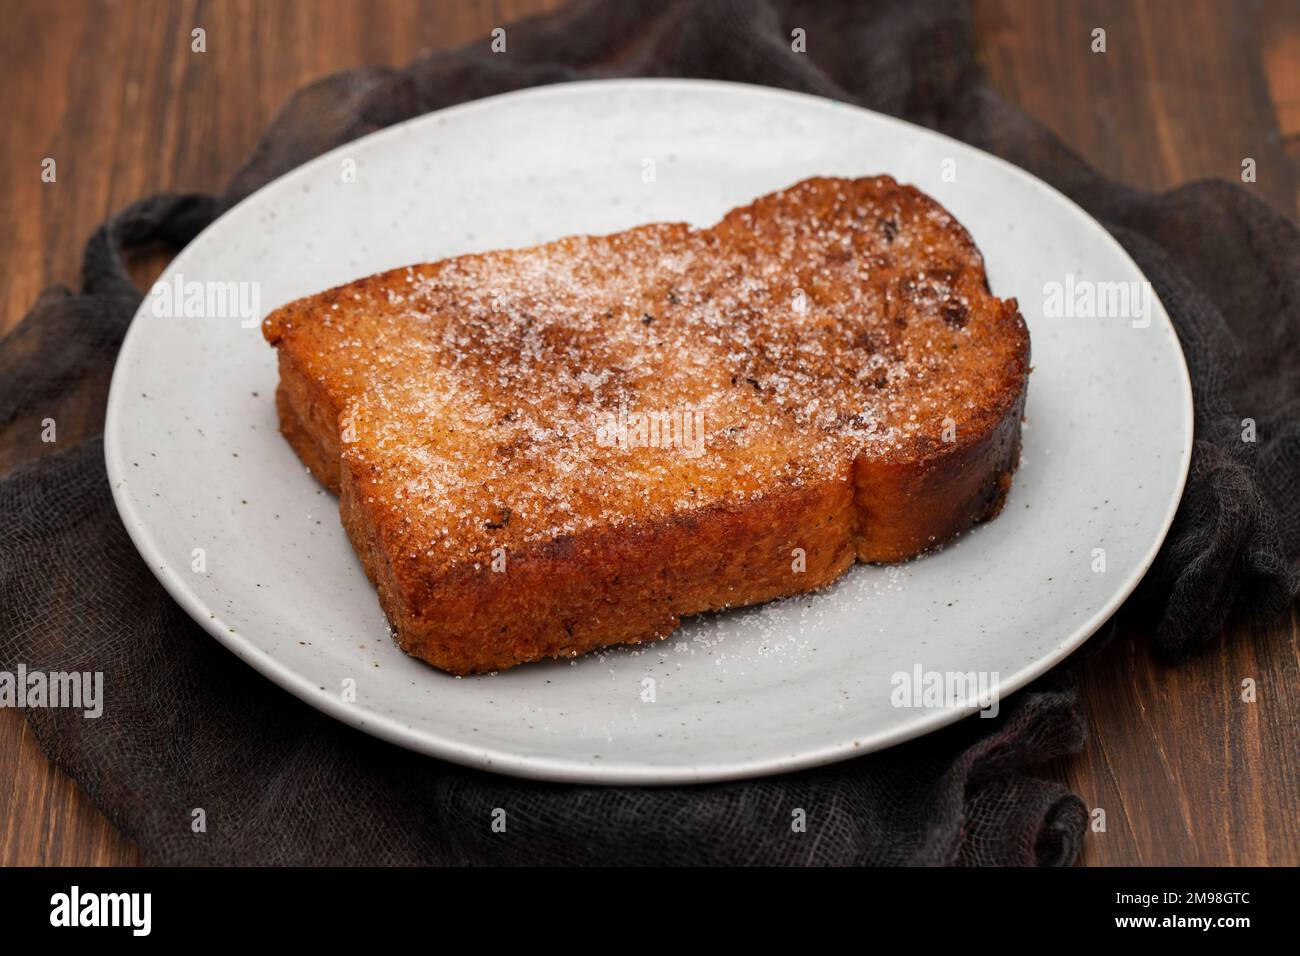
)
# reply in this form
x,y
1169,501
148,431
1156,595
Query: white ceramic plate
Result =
x,y
196,462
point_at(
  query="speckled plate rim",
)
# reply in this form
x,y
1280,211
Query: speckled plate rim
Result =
x,y
562,770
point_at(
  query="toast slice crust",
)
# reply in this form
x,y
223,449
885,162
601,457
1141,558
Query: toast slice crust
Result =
x,y
543,451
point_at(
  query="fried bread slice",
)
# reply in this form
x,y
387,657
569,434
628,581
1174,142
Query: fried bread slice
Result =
x,y
543,451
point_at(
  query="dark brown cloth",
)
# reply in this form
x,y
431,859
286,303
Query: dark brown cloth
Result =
x,y
187,726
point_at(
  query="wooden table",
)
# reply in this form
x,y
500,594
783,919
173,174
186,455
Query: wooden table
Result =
x,y
1186,771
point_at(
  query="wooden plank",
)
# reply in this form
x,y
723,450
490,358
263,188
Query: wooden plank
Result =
x,y
1277,25
1179,94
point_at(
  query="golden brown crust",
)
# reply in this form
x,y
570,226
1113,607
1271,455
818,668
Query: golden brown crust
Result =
x,y
876,422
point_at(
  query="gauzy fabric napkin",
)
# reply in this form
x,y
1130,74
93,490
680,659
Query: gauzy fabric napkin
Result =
x,y
185,725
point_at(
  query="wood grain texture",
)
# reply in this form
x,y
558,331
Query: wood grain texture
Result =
x,y
1186,771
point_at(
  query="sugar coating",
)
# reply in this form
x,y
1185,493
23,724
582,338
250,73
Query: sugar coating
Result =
x,y
835,319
